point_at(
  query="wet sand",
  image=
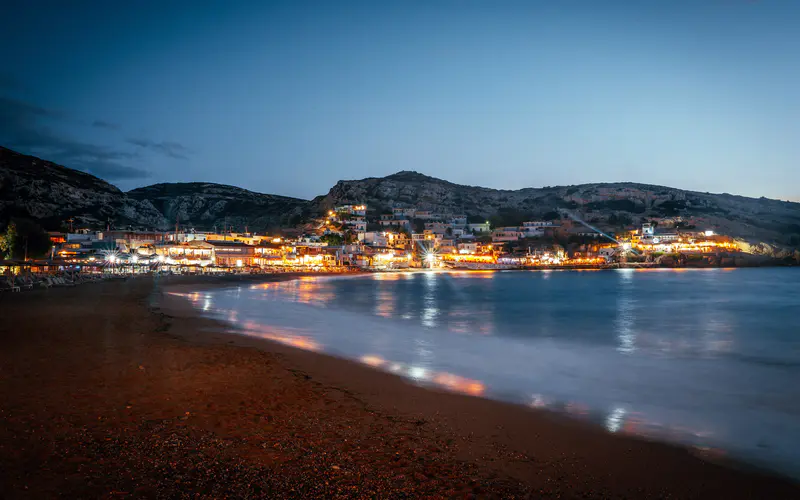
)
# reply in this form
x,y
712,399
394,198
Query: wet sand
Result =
x,y
119,389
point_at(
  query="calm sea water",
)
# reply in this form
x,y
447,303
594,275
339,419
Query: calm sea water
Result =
x,y
706,358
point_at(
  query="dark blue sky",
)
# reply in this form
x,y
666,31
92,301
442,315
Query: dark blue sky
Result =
x,y
289,97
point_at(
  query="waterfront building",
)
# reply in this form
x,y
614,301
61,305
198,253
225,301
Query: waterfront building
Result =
x,y
185,237
192,253
232,253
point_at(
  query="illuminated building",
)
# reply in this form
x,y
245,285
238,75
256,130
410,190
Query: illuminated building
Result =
x,y
193,253
232,254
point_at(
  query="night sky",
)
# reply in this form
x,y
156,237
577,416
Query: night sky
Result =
x,y
289,97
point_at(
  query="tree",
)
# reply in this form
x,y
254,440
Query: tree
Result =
x,y
8,240
24,237
332,239
552,215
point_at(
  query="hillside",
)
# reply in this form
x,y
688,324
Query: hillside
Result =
x,y
50,193
751,219
206,205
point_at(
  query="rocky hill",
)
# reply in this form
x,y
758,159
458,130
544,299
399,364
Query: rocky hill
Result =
x,y
206,205
607,205
50,193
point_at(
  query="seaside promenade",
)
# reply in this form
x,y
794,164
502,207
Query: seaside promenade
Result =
x,y
118,389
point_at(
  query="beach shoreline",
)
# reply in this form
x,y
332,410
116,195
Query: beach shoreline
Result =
x,y
122,388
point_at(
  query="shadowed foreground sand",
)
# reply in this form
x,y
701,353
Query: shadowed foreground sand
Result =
x,y
102,396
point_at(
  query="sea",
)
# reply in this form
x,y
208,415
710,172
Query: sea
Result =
x,y
706,358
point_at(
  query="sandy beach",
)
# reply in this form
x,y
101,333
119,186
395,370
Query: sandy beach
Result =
x,y
119,389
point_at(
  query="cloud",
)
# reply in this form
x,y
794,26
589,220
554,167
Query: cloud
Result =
x,y
16,112
105,124
168,148
21,128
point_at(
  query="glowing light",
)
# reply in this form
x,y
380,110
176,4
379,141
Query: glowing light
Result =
x,y
161,258
418,373
709,233
615,419
239,263
111,257
537,401
135,259
626,246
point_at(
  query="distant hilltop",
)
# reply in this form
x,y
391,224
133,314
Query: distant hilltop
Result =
x,y
52,194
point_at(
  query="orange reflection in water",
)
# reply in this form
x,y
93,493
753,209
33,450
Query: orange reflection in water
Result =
x,y
374,361
386,276
283,336
448,381
482,273
456,383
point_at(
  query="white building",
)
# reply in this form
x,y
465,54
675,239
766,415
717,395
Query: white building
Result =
x,y
358,224
399,212
467,248
373,238
481,227
401,223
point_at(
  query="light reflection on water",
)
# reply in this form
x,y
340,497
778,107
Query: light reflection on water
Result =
x,y
703,358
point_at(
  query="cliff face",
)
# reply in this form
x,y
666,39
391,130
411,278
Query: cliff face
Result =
x,y
206,205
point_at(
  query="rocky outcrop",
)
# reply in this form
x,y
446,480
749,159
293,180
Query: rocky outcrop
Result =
x,y
207,206
50,193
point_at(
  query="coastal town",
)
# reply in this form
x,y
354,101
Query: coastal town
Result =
x,y
351,237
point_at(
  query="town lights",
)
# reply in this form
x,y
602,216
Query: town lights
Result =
x,y
111,257
709,233
135,259
161,258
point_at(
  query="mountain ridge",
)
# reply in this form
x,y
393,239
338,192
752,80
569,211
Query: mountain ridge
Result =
x,y
52,193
